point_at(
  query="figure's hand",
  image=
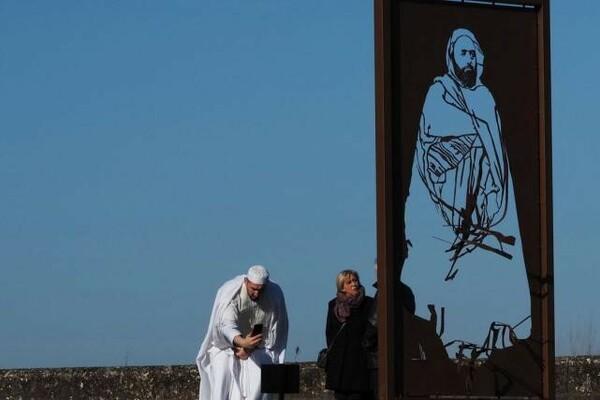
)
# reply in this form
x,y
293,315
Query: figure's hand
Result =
x,y
489,207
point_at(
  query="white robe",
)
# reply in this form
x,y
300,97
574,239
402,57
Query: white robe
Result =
x,y
224,376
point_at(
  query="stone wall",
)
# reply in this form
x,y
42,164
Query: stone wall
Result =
x,y
576,378
127,383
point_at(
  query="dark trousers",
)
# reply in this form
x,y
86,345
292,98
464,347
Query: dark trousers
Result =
x,y
353,396
374,382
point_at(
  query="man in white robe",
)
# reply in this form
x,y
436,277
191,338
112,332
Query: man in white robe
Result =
x,y
230,357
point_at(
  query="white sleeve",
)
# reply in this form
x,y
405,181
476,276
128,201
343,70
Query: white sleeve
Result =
x,y
229,323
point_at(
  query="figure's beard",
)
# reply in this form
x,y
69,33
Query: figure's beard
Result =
x,y
467,75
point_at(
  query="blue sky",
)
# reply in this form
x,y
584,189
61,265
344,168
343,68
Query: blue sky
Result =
x,y
150,150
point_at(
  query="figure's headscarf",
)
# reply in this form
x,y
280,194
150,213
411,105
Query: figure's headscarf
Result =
x,y
457,34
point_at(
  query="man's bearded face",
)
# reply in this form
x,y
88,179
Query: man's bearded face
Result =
x,y
254,290
464,61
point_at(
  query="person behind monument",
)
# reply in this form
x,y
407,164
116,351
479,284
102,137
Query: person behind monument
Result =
x,y
231,354
370,340
347,315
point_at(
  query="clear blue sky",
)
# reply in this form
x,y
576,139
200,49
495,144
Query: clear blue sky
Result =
x,y
150,150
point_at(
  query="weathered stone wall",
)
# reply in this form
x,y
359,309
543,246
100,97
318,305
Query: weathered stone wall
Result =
x,y
576,378
127,383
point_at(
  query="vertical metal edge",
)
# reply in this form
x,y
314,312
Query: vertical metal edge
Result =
x,y
546,225
384,198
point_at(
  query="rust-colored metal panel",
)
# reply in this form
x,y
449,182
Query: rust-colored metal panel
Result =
x,y
386,228
464,206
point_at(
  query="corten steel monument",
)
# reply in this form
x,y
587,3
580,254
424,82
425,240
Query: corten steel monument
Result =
x,y
464,206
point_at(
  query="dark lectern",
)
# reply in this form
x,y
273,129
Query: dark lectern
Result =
x,y
280,378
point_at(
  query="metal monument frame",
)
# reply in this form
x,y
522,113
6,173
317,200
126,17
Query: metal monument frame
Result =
x,y
390,210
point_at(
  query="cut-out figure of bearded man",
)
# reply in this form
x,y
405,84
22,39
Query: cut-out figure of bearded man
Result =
x,y
464,247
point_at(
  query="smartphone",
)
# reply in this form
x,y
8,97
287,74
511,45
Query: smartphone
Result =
x,y
257,329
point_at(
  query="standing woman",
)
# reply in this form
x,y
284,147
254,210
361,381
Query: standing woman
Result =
x,y
347,316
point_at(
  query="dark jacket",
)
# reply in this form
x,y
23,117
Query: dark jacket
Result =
x,y
407,300
347,361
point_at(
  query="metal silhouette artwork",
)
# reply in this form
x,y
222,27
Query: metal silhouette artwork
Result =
x,y
464,250
464,199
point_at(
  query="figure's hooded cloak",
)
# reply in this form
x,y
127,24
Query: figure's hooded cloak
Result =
x,y
478,142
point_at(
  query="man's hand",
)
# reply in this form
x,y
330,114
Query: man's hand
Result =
x,y
248,342
241,353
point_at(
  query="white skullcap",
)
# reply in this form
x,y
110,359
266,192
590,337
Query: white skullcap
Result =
x,y
258,274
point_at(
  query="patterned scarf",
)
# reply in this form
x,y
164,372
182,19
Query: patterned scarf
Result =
x,y
345,303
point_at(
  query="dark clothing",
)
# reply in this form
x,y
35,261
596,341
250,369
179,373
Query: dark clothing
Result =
x,y
346,371
352,396
406,295
407,300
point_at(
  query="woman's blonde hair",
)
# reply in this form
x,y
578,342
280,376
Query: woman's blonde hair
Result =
x,y
341,278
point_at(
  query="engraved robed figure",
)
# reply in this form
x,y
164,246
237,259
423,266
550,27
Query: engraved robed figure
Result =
x,y
462,231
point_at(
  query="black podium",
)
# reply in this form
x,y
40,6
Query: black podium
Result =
x,y
280,378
